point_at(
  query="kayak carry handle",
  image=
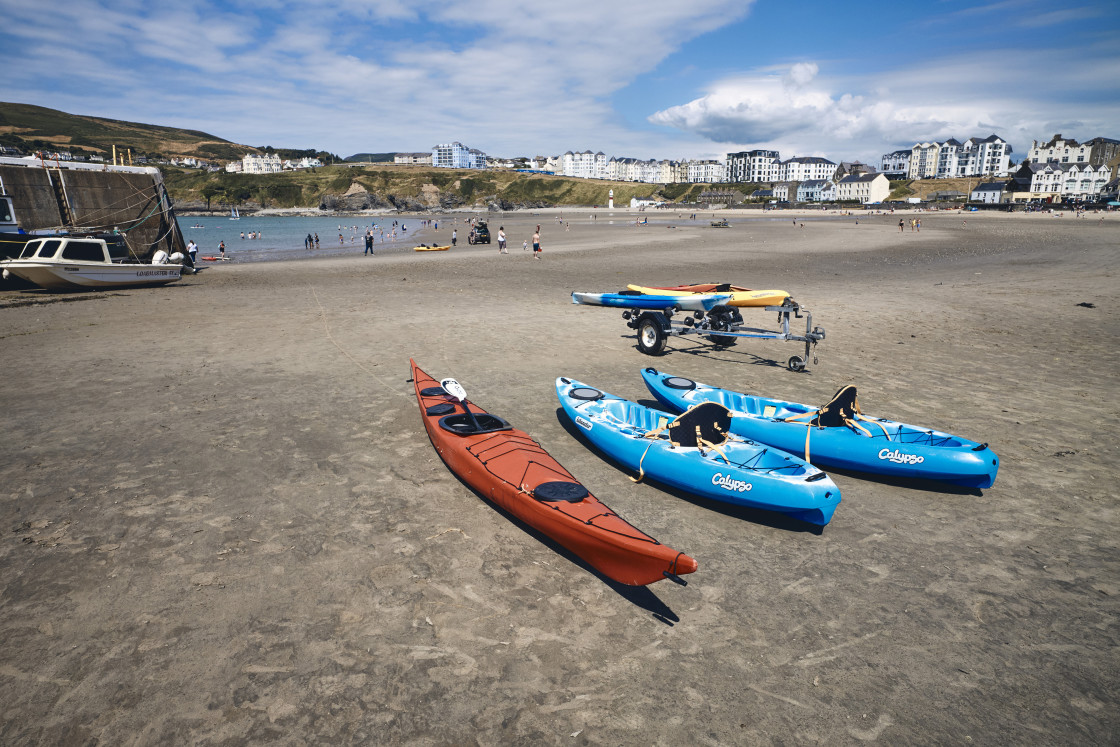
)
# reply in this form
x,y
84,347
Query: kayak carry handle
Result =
x,y
674,578
981,447
814,478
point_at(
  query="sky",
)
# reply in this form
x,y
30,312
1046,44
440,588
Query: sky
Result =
x,y
655,79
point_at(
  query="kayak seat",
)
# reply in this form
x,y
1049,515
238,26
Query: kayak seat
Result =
x,y
841,410
702,425
483,422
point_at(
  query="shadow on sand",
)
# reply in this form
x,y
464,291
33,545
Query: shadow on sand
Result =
x,y
719,352
639,596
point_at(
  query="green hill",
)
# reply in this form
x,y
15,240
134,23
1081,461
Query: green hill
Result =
x,y
373,186
371,158
31,128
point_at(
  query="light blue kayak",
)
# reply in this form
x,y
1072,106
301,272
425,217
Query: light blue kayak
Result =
x,y
687,455
635,300
859,443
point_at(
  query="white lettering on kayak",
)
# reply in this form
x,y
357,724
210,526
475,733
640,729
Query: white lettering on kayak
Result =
x,y
727,482
585,424
898,457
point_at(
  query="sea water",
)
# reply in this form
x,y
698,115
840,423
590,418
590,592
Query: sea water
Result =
x,y
281,237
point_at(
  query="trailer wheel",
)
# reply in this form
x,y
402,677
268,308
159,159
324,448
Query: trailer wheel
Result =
x,y
651,337
796,363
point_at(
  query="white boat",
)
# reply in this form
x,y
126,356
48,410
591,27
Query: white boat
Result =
x,y
72,262
233,214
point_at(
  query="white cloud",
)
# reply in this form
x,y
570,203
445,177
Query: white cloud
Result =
x,y
799,111
349,75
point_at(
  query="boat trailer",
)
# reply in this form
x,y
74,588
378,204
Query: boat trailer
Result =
x,y
723,326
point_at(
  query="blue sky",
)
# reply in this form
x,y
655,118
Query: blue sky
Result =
x,y
653,79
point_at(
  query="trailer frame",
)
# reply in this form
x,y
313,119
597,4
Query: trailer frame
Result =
x,y
724,325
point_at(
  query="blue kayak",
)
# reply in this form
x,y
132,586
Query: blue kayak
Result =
x,y
838,435
694,452
636,300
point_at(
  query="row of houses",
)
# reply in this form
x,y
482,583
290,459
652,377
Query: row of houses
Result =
x,y
269,163
990,156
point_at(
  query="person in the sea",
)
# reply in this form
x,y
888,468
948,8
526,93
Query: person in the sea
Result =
x,y
222,248
316,241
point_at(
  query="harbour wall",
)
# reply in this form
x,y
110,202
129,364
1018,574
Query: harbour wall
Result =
x,y
89,198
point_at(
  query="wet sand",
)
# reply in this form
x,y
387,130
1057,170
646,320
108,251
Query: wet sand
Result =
x,y
224,522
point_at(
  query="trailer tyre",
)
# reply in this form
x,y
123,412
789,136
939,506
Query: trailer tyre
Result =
x,y
796,363
651,337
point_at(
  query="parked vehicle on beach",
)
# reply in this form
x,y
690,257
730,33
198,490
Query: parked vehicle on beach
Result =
x,y
480,234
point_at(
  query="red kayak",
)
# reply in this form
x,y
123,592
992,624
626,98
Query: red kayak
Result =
x,y
509,468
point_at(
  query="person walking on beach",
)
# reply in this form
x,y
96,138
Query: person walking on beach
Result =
x,y
537,244
525,245
502,240
192,250
222,248
369,243
900,228
454,236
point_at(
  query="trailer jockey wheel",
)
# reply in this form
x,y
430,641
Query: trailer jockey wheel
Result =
x,y
796,363
651,336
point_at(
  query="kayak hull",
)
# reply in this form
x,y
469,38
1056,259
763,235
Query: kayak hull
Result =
x,y
508,468
692,302
901,450
740,296
746,473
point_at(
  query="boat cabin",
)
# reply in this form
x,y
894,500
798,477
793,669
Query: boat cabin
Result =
x,y
77,249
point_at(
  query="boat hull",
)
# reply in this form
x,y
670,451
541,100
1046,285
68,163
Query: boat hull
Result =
x,y
67,275
507,467
740,296
901,451
751,475
690,302
431,248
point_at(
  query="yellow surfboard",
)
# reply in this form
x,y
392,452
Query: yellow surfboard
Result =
x,y
431,248
739,296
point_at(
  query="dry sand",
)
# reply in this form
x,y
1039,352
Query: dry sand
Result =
x,y
223,521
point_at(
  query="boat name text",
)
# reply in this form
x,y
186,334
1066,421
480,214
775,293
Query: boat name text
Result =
x,y
585,424
727,482
898,457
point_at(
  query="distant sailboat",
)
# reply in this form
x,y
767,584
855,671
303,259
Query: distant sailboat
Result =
x,y
233,214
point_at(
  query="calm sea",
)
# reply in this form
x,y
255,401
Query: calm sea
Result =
x,y
281,237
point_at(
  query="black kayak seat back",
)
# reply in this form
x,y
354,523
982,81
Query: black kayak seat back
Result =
x,y
711,420
842,408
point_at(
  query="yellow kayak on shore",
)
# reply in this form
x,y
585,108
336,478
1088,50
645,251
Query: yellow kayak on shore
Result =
x,y
740,296
424,248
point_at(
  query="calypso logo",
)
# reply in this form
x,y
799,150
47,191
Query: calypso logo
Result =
x,y
585,424
727,482
898,457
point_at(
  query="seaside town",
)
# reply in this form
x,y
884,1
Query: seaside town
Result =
x,y
1055,171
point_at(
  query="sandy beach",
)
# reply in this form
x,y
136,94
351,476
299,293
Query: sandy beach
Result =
x,y
224,522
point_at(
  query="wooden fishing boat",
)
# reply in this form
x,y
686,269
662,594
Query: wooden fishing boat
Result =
x,y
506,466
